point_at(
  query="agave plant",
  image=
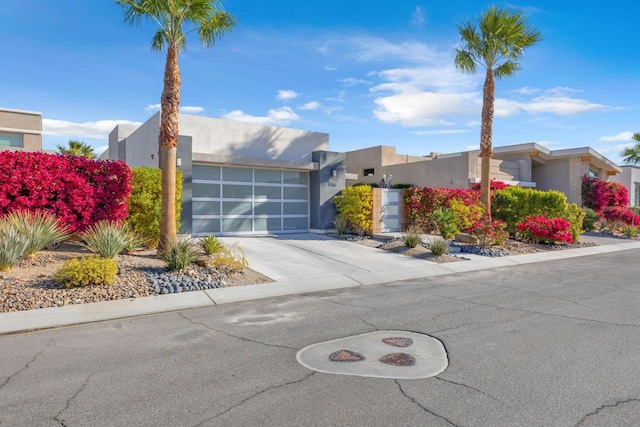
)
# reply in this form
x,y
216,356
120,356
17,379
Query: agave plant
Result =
x,y
40,229
106,238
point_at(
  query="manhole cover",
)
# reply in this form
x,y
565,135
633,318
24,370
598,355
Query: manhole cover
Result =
x,y
398,359
398,341
345,356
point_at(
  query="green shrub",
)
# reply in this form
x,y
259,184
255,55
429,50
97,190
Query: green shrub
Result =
x,y
178,254
575,216
341,224
87,271
41,229
13,246
210,244
591,218
356,205
145,203
629,231
466,215
230,260
513,204
446,221
438,247
106,238
411,238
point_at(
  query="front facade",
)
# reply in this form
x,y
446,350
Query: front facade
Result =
x,y
529,165
630,178
20,130
242,178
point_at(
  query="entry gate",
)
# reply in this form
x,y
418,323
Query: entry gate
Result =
x,y
391,210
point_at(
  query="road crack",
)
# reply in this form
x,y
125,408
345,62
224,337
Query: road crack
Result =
x,y
9,378
344,304
306,377
618,403
429,411
66,406
234,336
469,387
369,324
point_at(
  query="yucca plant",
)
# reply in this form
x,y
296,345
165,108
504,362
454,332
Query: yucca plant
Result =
x,y
178,254
210,245
341,223
630,231
106,238
135,241
13,247
41,229
438,247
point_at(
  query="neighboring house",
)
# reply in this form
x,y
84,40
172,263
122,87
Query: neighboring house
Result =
x,y
242,178
20,130
528,164
630,178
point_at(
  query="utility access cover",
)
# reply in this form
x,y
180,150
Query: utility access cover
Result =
x,y
382,354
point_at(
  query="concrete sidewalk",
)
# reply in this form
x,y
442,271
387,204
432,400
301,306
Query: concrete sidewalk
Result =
x,y
299,263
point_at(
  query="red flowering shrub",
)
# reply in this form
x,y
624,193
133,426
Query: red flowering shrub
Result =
x,y
488,232
77,190
546,230
420,202
617,215
598,194
493,186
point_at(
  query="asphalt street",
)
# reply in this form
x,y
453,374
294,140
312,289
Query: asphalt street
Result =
x,y
546,344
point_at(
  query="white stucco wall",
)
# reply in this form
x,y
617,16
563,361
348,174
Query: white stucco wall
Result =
x,y
142,145
231,138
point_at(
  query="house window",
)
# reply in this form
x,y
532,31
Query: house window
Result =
x,y
636,194
593,174
10,140
368,172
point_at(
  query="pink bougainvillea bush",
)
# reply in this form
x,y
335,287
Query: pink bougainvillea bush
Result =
x,y
540,229
598,194
79,191
420,202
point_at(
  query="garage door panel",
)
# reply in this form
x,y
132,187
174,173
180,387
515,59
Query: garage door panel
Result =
x,y
245,200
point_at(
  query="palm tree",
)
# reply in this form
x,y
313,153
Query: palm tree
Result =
x,y
175,20
77,148
496,45
632,155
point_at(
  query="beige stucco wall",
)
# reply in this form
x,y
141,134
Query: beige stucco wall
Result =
x,y
231,138
142,145
25,123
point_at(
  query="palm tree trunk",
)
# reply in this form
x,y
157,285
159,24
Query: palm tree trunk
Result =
x,y
486,135
170,102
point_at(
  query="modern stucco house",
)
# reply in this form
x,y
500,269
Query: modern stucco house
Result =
x,y
20,130
630,178
242,178
528,164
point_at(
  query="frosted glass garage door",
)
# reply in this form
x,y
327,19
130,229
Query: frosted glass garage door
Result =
x,y
230,200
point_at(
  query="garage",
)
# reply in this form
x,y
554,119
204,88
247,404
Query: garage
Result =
x,y
237,200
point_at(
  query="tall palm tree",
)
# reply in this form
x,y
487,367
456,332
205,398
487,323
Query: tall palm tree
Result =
x,y
496,45
632,155
175,20
77,148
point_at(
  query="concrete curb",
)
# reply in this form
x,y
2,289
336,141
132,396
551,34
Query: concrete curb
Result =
x,y
44,318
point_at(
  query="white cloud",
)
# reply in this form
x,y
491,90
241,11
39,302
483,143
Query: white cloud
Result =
x,y
188,109
275,117
99,129
420,108
328,68
311,106
562,91
350,81
622,136
285,95
417,17
558,105
526,91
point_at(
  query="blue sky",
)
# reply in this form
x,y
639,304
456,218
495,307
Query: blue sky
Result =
x,y
365,72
